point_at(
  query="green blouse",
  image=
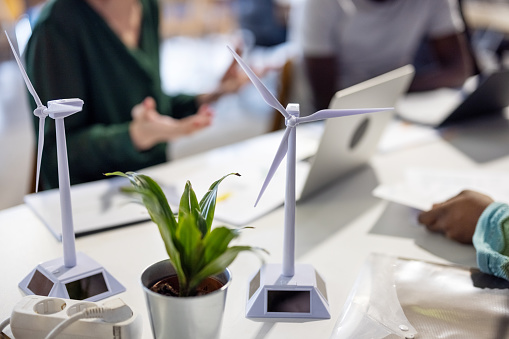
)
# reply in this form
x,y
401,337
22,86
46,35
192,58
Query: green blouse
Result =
x,y
73,53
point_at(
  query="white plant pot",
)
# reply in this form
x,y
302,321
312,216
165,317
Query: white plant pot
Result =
x,y
183,317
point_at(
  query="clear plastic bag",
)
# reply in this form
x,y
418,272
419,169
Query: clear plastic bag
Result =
x,y
403,298
373,309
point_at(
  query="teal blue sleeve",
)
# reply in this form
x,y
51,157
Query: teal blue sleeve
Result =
x,y
491,240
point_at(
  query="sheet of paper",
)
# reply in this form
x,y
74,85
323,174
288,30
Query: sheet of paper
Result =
x,y
401,134
237,195
403,194
252,159
95,206
422,187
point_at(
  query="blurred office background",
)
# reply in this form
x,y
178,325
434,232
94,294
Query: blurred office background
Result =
x,y
194,34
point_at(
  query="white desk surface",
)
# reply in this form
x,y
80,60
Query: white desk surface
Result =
x,y
336,230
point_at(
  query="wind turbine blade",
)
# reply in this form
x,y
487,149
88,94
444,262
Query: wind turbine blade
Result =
x,y
24,74
40,146
280,154
336,113
266,94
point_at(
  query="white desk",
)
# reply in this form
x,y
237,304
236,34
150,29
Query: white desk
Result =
x,y
336,230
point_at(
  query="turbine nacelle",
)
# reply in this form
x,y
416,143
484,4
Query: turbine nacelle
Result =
x,y
293,109
294,112
63,108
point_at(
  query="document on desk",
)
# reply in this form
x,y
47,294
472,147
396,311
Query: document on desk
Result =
x,y
96,206
402,135
237,195
422,187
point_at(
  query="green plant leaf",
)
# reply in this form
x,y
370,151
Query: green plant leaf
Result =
x,y
189,205
190,239
208,202
152,194
217,241
159,210
219,264
185,205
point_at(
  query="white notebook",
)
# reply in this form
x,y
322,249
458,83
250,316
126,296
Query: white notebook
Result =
x,y
96,206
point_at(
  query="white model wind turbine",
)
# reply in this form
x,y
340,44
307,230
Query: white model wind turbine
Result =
x,y
75,276
289,291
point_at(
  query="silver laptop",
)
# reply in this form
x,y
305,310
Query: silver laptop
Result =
x,y
349,142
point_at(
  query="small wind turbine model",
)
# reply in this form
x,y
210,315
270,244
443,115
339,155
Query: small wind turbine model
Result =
x,y
289,291
75,276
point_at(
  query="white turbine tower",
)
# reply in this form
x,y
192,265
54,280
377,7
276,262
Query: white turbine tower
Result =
x,y
75,276
289,291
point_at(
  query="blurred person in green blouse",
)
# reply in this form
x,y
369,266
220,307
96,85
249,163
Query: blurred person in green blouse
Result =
x,y
106,52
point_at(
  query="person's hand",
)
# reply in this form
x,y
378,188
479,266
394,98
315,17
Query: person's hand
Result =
x,y
457,217
149,128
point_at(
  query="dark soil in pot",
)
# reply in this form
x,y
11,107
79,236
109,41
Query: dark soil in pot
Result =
x,y
169,286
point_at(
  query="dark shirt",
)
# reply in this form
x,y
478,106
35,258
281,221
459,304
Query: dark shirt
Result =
x,y
73,53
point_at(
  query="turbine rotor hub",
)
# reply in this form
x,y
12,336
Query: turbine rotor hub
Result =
x,y
292,121
40,112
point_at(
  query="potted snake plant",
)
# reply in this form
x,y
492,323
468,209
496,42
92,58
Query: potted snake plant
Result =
x,y
186,293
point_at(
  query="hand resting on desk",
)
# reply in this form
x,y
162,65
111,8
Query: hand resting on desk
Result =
x,y
472,217
457,217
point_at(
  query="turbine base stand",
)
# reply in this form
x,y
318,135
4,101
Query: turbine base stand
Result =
x,y
299,297
86,281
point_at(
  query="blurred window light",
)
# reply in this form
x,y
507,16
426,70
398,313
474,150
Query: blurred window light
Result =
x,y
23,31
